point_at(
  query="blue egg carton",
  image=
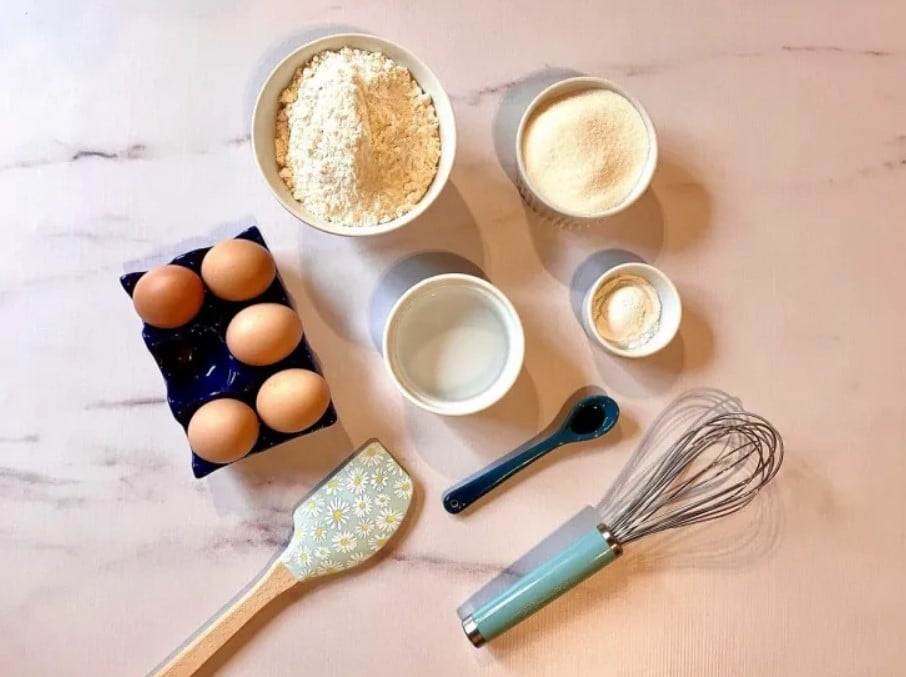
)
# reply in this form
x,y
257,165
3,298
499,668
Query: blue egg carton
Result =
x,y
198,367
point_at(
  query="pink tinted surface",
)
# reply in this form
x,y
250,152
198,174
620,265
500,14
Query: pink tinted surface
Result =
x,y
777,209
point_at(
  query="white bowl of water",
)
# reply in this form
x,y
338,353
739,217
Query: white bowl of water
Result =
x,y
453,344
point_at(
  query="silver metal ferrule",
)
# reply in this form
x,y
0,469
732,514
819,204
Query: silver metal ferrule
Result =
x,y
470,627
612,542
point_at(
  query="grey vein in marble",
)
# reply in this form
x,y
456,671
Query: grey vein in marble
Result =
x,y
104,228
31,438
895,164
447,564
127,403
836,49
136,151
884,167
15,475
251,535
474,97
54,280
94,236
656,67
33,544
238,140
23,485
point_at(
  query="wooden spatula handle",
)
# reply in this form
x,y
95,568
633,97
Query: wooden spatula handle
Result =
x,y
276,580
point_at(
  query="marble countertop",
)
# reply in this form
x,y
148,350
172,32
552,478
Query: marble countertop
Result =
x,y
777,209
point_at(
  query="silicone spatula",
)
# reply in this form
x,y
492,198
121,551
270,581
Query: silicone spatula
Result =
x,y
346,519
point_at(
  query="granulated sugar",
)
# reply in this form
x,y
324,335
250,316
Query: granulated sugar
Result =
x,y
585,152
357,139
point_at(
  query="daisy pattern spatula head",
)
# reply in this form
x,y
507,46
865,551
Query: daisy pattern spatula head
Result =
x,y
349,517
342,523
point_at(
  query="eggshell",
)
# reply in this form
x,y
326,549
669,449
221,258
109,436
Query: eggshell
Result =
x,y
238,270
264,333
168,296
223,430
292,400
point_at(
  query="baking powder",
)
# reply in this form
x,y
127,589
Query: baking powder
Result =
x,y
626,310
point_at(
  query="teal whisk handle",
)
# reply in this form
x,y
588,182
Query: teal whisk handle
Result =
x,y
583,557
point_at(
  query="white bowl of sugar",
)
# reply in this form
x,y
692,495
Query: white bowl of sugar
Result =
x,y
453,344
326,132
585,149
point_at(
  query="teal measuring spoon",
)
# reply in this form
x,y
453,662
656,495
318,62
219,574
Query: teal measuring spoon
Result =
x,y
587,419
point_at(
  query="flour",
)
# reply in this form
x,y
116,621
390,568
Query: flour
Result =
x,y
357,139
585,152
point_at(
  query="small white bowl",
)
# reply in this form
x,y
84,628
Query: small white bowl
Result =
x,y
453,344
556,91
671,310
264,122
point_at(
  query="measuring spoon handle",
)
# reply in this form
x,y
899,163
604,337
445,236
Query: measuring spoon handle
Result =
x,y
461,496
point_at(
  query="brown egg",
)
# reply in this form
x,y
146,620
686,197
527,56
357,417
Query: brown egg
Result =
x,y
168,296
223,431
293,400
238,270
264,333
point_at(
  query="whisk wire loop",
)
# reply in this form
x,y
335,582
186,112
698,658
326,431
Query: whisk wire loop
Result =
x,y
721,459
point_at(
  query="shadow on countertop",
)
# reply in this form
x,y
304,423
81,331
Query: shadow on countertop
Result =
x,y
343,300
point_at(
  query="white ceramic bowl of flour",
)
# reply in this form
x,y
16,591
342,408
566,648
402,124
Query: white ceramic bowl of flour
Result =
x,y
558,91
265,116
453,344
669,316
